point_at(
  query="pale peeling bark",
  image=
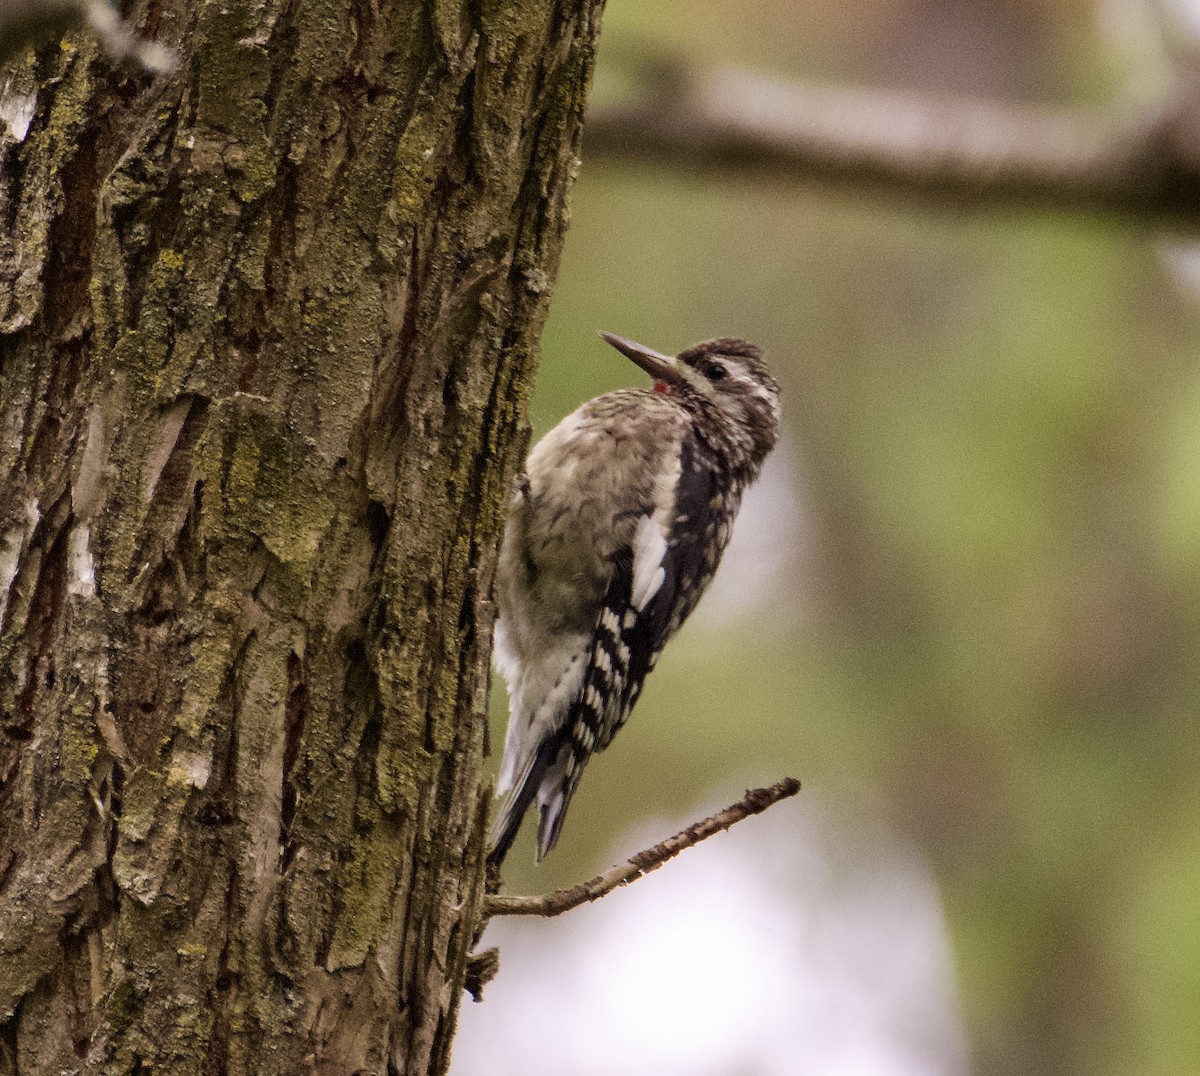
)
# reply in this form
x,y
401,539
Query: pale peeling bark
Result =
x,y
265,331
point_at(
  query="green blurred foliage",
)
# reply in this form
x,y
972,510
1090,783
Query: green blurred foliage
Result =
x,y
991,629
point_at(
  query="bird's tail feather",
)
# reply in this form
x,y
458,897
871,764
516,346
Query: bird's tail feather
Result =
x,y
516,803
553,809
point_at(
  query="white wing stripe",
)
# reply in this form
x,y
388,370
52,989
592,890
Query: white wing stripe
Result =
x,y
649,549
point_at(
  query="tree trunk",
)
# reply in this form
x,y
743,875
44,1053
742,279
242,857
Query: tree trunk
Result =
x,y
265,331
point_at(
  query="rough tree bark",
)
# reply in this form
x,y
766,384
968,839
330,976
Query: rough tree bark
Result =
x,y
265,331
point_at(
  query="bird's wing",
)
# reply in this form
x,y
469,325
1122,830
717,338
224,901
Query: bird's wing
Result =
x,y
655,583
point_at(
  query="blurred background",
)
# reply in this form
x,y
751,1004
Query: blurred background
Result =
x,y
962,605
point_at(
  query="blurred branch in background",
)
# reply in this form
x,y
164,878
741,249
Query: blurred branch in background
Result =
x,y
27,22
1144,165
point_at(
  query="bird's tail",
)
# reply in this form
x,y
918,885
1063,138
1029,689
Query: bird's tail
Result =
x,y
550,779
552,805
516,803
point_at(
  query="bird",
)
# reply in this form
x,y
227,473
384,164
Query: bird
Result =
x,y
614,530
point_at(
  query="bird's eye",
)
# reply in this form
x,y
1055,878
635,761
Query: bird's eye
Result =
x,y
715,371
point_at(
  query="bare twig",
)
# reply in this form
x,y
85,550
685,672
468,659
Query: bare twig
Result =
x,y
1144,163
755,801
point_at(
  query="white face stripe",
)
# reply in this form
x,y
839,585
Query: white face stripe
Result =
x,y
771,399
736,371
749,385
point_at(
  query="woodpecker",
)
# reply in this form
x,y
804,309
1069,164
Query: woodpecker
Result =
x,y
613,532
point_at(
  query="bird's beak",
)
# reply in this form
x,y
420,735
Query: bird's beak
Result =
x,y
658,366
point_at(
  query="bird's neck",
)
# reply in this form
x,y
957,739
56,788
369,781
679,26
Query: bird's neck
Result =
x,y
724,437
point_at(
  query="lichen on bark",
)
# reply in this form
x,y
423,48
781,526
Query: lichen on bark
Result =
x,y
265,336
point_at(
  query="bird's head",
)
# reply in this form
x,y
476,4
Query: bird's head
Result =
x,y
727,374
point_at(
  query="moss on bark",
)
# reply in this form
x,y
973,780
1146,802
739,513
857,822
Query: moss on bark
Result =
x,y
265,335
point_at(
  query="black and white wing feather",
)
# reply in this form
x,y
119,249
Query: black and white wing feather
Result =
x,y
655,584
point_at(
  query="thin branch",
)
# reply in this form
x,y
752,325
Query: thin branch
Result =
x,y
755,801
1144,164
